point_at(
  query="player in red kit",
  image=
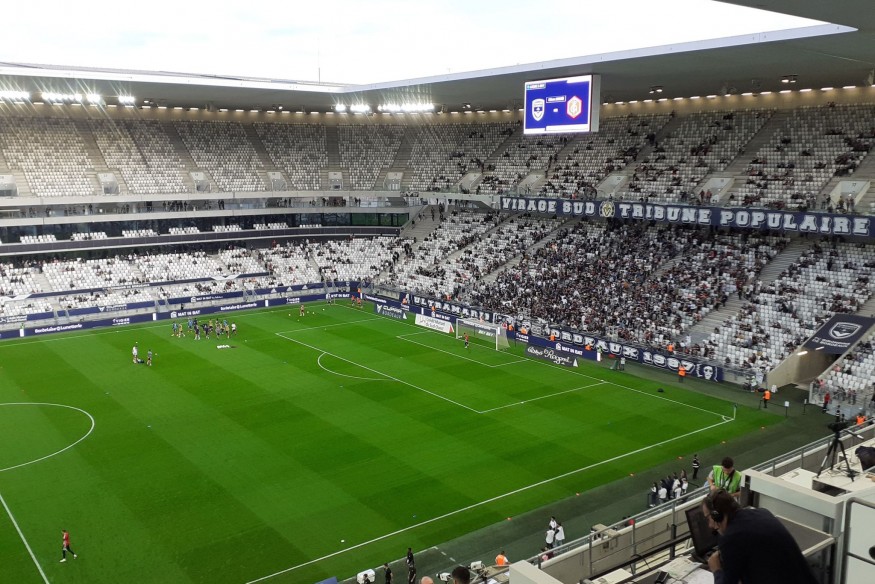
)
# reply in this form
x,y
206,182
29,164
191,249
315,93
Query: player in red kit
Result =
x,y
66,547
466,340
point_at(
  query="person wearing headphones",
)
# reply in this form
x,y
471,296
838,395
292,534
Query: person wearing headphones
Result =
x,y
754,547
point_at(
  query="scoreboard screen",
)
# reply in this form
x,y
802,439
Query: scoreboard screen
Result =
x,y
561,106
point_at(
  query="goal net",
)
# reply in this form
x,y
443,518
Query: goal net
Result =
x,y
482,333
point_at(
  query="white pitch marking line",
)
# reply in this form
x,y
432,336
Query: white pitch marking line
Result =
x,y
24,540
541,397
87,434
324,326
486,502
401,337
401,381
649,394
319,362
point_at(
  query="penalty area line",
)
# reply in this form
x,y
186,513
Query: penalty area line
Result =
x,y
541,397
485,502
386,375
24,540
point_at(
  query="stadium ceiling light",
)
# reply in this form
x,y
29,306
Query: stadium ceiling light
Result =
x,y
162,107
12,95
648,101
849,87
677,99
633,101
127,99
695,97
340,108
360,108
765,93
661,99
827,88
179,107
806,90
656,89
786,91
747,93
223,109
712,96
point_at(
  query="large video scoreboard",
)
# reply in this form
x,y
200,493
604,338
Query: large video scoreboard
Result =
x,y
561,106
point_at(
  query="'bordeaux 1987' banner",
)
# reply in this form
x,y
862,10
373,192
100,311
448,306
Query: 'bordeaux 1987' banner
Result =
x,y
839,333
821,223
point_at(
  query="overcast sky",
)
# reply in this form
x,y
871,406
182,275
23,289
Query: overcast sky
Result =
x,y
356,41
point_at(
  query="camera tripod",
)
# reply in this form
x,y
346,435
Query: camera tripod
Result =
x,y
832,455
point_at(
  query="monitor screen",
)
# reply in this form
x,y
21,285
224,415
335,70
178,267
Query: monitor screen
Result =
x,y
704,538
560,106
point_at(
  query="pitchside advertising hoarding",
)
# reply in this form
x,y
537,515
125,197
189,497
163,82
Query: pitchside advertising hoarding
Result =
x,y
839,333
569,345
742,218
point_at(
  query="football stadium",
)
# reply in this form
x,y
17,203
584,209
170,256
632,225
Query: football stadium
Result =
x,y
583,300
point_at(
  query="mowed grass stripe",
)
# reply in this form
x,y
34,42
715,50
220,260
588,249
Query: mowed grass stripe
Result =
x,y
262,452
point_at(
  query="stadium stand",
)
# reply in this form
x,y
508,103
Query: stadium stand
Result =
x,y
584,163
366,150
143,154
352,259
290,264
223,149
51,154
780,316
850,381
442,155
421,269
648,286
812,146
299,150
703,143
90,236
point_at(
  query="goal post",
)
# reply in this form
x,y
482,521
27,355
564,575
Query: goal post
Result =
x,y
482,333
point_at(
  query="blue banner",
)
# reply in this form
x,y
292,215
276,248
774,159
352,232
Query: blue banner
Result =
x,y
391,311
575,343
738,217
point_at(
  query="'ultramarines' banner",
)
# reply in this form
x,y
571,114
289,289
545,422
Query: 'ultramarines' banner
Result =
x,y
740,217
839,333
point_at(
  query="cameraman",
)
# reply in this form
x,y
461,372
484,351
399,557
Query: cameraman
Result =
x,y
755,548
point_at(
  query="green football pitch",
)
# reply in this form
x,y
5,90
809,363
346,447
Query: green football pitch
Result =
x,y
313,447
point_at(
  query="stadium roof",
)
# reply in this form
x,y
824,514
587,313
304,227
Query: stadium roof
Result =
x,y
822,55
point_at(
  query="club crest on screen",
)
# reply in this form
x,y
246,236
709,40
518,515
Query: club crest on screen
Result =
x,y
538,109
574,107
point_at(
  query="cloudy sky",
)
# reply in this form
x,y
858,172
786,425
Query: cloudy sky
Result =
x,y
356,41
